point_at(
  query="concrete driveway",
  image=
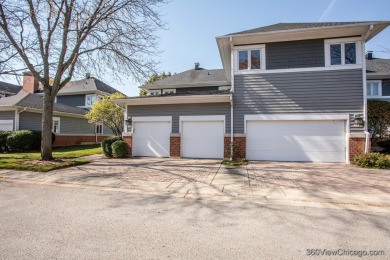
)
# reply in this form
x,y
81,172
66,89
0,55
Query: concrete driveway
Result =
x,y
198,178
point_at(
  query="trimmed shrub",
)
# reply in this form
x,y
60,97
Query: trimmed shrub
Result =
x,y
384,144
25,140
119,149
3,140
372,160
106,144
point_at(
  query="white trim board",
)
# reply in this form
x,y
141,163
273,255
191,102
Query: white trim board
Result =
x,y
202,119
152,119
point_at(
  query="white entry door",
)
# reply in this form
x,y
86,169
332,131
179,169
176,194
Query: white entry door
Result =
x,y
6,125
202,139
312,141
151,139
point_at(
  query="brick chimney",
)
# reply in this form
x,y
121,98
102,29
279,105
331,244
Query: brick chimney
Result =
x,y
30,84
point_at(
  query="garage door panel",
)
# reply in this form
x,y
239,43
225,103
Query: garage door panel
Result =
x,y
317,141
151,139
202,139
6,125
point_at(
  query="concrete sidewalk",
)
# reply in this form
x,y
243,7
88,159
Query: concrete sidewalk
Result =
x,y
231,183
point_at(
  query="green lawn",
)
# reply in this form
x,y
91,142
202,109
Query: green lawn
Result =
x,y
65,157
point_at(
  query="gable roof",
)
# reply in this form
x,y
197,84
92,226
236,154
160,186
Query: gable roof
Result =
x,y
88,85
8,88
378,68
295,26
27,100
200,77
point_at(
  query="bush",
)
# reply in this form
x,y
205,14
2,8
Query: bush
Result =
x,y
25,140
119,149
106,144
3,140
372,160
385,144
378,112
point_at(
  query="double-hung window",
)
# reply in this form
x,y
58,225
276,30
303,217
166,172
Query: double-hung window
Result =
x,y
56,125
89,100
340,52
374,88
249,58
99,128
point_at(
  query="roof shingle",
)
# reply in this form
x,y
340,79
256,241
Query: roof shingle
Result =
x,y
9,88
378,68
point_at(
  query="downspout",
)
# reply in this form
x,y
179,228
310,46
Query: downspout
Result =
x,y
367,143
231,99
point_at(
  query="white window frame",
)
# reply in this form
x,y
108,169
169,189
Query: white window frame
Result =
x,y
155,91
237,49
379,88
59,125
86,99
343,41
96,125
169,90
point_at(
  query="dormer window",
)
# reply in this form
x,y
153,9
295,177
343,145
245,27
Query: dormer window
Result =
x,y
89,100
249,58
340,52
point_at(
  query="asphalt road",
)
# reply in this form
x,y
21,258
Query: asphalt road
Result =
x,y
49,222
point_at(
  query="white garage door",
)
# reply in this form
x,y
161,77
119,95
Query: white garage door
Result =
x,y
312,141
202,139
151,139
6,125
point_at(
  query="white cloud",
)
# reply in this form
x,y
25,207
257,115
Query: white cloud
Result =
x,y
327,10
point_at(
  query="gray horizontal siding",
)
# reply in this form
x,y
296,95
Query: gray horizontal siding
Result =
x,y
30,121
196,89
295,54
68,125
72,100
334,91
8,115
385,87
182,110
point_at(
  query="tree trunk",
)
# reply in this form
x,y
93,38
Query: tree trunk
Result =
x,y
47,124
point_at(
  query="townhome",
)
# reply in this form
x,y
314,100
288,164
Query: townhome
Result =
x,y
22,109
378,78
287,92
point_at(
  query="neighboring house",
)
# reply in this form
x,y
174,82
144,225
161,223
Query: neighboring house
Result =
x,y
297,93
378,78
23,110
7,89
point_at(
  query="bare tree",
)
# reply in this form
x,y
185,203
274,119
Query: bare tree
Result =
x,y
55,39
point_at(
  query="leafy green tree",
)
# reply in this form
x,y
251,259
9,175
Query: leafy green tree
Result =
x,y
378,118
108,113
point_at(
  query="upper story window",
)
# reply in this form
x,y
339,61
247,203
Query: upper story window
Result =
x,y
56,125
169,91
339,52
154,92
249,58
89,100
374,88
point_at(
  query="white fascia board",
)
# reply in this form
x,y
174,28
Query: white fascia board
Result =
x,y
152,119
195,99
282,117
8,108
39,111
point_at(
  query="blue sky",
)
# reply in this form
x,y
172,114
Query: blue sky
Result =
x,y
193,25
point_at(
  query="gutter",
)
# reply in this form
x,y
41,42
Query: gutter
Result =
x,y
231,102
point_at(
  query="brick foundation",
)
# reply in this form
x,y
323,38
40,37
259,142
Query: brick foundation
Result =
x,y
175,146
69,140
128,139
356,147
239,147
